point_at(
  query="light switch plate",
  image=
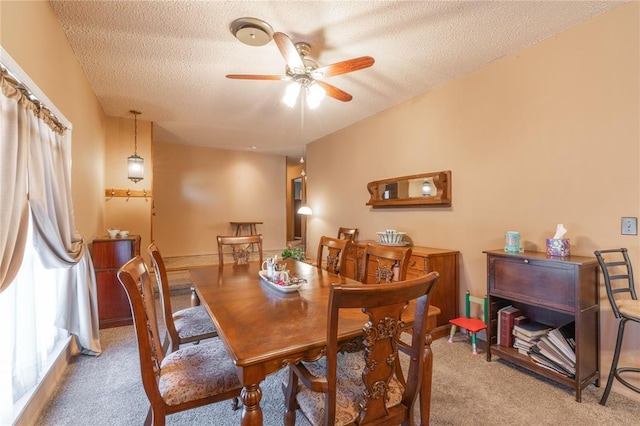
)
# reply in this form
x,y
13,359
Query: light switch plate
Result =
x,y
629,226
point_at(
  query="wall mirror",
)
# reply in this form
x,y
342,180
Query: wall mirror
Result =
x,y
426,189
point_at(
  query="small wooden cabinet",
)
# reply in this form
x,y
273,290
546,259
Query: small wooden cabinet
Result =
x,y
423,260
109,254
553,291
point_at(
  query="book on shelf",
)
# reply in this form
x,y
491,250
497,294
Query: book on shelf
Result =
x,y
564,339
532,329
522,345
519,335
541,359
498,341
541,362
520,320
549,350
507,316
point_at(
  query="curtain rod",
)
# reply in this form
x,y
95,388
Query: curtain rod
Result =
x,y
16,77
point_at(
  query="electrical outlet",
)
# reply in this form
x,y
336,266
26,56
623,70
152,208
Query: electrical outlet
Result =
x,y
629,226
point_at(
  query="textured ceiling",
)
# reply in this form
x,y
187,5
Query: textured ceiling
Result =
x,y
168,59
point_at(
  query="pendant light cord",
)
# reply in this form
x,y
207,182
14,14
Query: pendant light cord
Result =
x,y
135,131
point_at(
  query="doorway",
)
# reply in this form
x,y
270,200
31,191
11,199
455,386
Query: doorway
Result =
x,y
296,192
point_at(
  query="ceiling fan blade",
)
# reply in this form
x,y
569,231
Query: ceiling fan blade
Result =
x,y
257,77
343,67
289,53
334,92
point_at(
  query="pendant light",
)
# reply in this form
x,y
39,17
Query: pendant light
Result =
x,y
135,163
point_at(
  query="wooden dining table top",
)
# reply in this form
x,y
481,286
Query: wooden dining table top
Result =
x,y
265,329
257,321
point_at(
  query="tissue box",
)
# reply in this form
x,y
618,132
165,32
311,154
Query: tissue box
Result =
x,y
557,247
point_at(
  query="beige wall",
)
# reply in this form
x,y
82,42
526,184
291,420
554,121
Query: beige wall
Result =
x,y
198,191
33,37
549,135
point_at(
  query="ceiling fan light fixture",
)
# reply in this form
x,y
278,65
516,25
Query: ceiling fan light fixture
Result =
x,y
251,31
291,94
315,94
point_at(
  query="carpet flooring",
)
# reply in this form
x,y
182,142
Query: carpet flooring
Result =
x,y
467,390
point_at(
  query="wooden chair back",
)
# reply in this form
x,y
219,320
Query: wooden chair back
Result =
x,y
335,250
384,264
384,305
134,277
160,272
348,233
241,248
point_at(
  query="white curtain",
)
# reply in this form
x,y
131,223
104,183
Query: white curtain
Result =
x,y
13,187
54,288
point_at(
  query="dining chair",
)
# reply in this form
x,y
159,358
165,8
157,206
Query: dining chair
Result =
x,y
365,387
348,233
384,264
184,326
241,248
190,377
335,250
621,292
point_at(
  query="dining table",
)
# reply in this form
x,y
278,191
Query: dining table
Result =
x,y
266,327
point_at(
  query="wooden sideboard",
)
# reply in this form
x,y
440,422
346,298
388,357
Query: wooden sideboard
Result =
x,y
423,260
109,254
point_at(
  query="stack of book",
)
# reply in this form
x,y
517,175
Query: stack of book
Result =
x,y
527,335
555,350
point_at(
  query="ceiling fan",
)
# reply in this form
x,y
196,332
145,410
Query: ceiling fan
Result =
x,y
305,73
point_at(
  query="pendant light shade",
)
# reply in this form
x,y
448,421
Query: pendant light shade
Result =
x,y
135,163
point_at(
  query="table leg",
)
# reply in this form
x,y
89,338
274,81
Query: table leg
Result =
x,y
253,231
251,410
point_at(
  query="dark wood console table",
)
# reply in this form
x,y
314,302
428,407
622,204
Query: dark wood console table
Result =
x,y
553,291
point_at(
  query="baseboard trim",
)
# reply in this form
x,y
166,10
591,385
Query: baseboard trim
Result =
x,y
41,395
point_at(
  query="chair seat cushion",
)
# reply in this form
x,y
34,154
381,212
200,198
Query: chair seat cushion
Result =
x,y
630,308
349,390
192,322
196,372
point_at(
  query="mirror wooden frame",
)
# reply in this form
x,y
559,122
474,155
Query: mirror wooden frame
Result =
x,y
426,189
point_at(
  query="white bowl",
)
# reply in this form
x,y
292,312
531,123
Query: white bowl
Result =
x,y
113,233
391,237
123,234
397,238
